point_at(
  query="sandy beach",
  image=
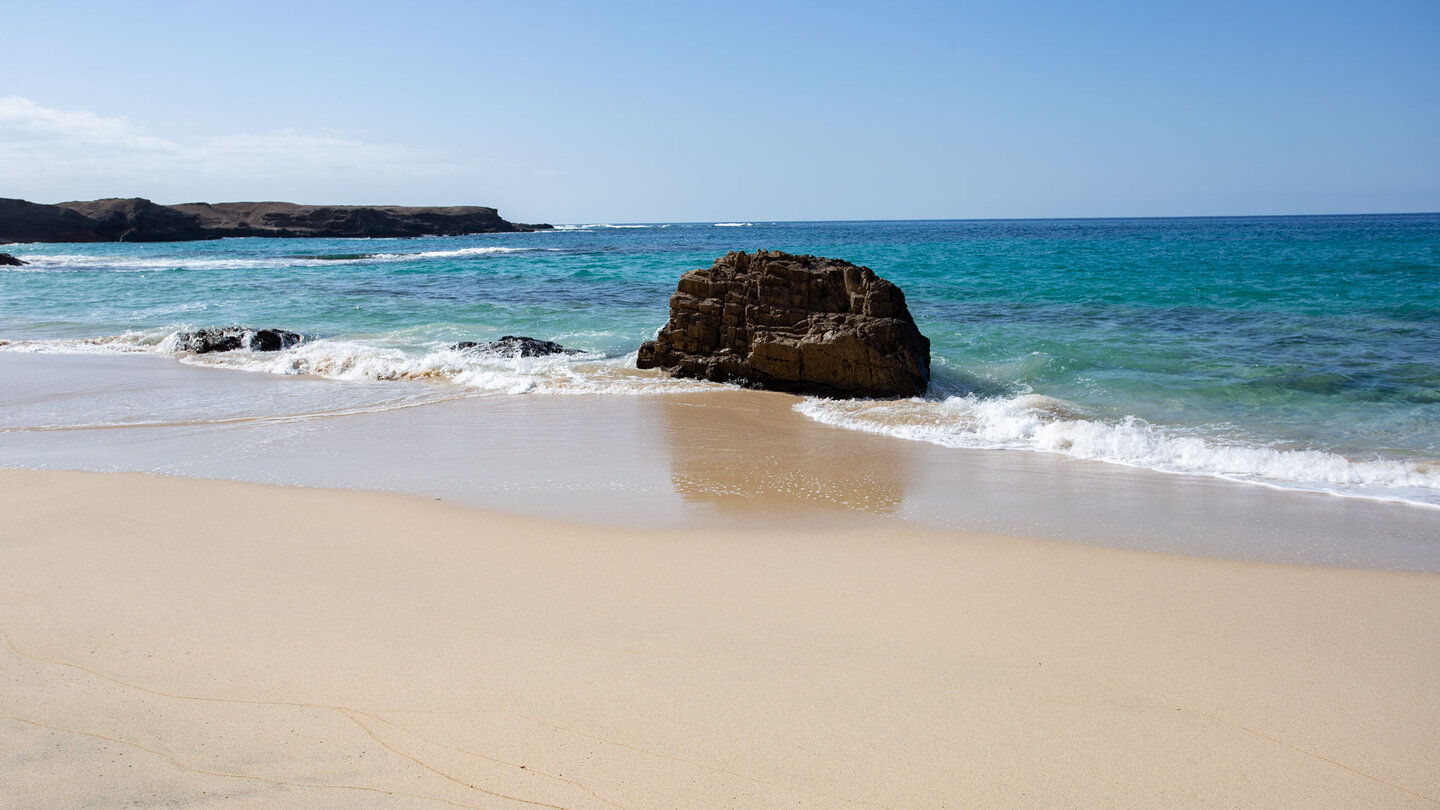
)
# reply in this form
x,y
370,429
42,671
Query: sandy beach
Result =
x,y
174,642
589,407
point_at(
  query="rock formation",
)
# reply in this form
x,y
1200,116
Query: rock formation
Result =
x,y
6,260
22,221
510,345
802,324
289,219
230,338
140,220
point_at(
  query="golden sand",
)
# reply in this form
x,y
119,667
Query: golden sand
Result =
x,y
200,643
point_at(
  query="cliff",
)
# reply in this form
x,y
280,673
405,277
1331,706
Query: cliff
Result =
x,y
140,220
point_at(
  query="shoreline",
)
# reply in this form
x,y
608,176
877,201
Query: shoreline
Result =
x,y
180,640
678,460
1304,385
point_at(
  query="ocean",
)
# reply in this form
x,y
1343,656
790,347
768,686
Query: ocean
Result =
x,y
1292,352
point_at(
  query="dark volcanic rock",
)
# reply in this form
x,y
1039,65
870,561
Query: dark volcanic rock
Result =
x,y
22,221
512,345
10,261
289,219
140,220
230,338
802,324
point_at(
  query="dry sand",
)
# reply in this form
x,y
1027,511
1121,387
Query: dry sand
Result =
x,y
177,642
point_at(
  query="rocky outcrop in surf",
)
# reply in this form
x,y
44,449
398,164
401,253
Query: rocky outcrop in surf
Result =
x,y
230,338
512,346
802,324
140,220
6,260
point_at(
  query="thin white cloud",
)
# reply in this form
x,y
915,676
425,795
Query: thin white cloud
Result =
x,y
24,121
53,153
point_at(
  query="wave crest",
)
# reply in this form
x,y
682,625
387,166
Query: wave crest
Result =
x,y
600,226
1041,423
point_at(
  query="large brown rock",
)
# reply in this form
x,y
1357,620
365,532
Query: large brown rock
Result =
x,y
802,324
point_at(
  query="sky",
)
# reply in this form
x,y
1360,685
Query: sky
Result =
x,y
700,111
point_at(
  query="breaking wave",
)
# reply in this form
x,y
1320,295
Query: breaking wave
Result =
x,y
129,342
599,226
1041,423
1030,422
358,360
75,262
458,253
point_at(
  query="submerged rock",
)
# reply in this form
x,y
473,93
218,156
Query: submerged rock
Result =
x,y
10,261
230,338
802,324
512,345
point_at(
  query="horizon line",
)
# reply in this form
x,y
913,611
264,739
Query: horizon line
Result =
x,y
743,221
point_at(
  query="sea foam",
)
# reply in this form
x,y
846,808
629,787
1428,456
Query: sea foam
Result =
x,y
1040,423
600,226
1029,421
365,361
479,372
83,263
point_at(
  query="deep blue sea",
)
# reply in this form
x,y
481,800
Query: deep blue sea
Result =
x,y
1298,352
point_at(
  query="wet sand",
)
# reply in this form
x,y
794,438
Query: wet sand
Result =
x,y
181,642
724,459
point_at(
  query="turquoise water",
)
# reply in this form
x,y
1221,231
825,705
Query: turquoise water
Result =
x,y
1293,351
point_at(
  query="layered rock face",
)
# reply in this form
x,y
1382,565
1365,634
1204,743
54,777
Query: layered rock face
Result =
x,y
802,324
140,220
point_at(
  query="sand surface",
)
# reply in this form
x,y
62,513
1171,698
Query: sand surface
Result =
x,y
724,458
178,642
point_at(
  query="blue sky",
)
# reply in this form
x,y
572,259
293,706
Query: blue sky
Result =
x,y
720,111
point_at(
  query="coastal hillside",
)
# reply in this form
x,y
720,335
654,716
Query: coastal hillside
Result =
x,y
139,220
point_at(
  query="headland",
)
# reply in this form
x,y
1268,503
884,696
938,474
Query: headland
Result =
x,y
139,220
